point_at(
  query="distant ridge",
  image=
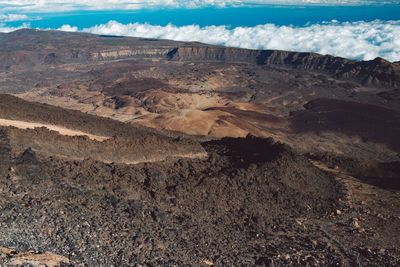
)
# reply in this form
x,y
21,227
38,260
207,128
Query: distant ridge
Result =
x,y
37,47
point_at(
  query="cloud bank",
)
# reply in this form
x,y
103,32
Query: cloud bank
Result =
x,y
71,5
355,40
13,17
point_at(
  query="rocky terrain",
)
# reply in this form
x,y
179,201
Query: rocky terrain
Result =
x,y
119,151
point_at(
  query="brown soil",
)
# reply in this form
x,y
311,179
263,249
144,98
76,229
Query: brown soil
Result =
x,y
369,122
380,174
238,206
372,128
369,226
251,202
146,197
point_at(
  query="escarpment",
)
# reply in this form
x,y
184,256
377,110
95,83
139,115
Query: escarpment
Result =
x,y
377,72
129,52
206,53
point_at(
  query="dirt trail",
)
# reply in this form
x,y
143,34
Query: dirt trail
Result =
x,y
370,213
60,129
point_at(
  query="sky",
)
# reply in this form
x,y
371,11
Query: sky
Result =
x,y
69,5
356,29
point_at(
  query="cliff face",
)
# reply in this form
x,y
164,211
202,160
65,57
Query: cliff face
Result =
x,y
128,52
377,72
210,53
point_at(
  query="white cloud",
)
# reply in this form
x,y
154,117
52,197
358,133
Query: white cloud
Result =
x,y
70,5
357,40
13,17
68,28
4,28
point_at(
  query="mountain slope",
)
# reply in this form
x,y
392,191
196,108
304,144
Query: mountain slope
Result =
x,y
92,186
95,137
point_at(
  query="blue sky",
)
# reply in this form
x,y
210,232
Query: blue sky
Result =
x,y
39,6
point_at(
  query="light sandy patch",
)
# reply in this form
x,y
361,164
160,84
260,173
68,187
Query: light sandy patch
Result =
x,y
61,130
199,155
32,258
